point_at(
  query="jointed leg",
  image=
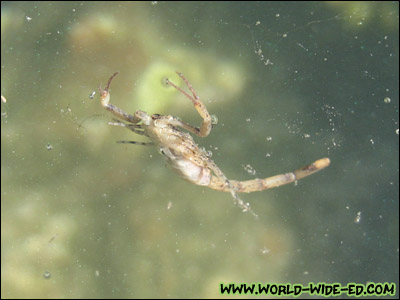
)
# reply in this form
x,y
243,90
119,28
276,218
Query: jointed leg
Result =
x,y
206,125
179,123
217,183
136,143
136,129
132,127
105,102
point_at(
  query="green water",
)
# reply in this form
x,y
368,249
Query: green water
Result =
x,y
290,83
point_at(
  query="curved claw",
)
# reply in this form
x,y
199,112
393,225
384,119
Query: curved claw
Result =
x,y
104,94
109,81
108,84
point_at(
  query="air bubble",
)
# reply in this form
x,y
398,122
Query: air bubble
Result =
x,y
47,275
214,120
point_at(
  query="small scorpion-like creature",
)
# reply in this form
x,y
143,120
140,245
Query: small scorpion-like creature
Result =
x,y
189,160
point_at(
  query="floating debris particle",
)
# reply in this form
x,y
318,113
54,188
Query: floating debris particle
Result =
x,y
52,238
265,250
249,169
357,219
91,96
